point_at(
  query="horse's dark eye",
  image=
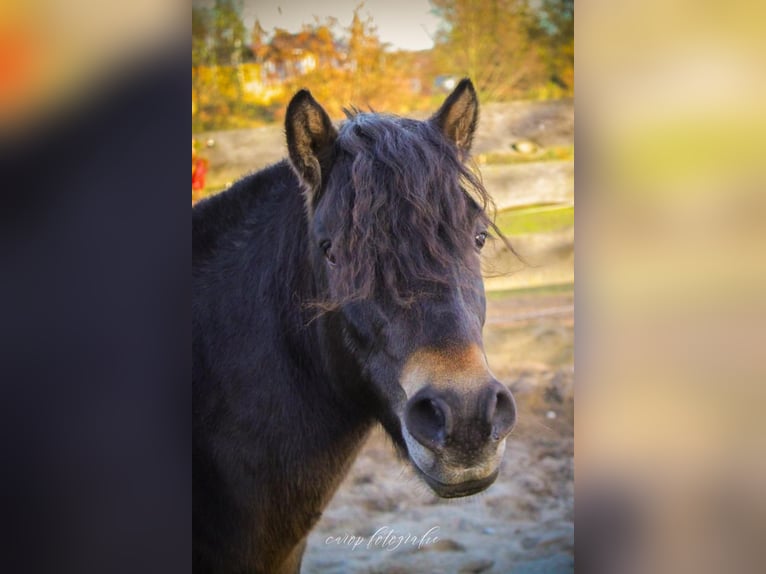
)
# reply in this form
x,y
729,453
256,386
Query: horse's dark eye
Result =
x,y
325,247
481,239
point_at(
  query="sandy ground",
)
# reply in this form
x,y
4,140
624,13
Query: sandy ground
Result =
x,y
384,520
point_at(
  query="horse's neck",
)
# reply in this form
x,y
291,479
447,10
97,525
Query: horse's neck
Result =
x,y
274,436
316,454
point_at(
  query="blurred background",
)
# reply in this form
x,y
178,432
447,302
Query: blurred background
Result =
x,y
671,280
404,57
249,57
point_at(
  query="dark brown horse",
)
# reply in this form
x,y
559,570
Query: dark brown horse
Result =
x,y
331,291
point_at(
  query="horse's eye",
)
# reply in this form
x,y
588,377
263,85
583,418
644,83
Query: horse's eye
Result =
x,y
325,247
481,239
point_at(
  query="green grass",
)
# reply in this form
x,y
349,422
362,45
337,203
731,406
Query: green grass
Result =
x,y
554,289
536,219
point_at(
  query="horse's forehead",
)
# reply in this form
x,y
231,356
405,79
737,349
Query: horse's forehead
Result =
x,y
397,149
372,127
378,119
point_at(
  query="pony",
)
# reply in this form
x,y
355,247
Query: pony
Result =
x,y
334,290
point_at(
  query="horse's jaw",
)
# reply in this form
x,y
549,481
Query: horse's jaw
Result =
x,y
449,480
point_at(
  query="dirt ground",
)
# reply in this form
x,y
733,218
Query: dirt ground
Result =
x,y
384,520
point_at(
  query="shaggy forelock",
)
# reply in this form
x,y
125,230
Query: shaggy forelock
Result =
x,y
404,207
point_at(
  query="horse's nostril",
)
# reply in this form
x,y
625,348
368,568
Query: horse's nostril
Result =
x,y
429,420
500,411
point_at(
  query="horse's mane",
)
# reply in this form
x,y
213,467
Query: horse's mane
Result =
x,y
408,208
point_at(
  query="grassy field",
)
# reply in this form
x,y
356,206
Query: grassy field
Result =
x,y
541,290
535,219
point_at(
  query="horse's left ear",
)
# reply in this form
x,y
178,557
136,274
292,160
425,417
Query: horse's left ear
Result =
x,y
459,115
310,139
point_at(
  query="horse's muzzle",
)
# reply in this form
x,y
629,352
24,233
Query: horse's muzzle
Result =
x,y
457,439
438,419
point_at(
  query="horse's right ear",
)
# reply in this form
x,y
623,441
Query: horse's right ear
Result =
x,y
310,139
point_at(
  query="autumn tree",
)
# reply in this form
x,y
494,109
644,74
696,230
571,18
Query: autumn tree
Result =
x,y
555,33
343,66
200,53
366,61
492,42
350,64
200,36
228,32
218,49
258,40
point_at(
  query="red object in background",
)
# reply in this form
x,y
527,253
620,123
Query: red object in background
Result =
x,y
198,175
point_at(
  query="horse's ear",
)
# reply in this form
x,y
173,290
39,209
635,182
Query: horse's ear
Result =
x,y
310,138
459,115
